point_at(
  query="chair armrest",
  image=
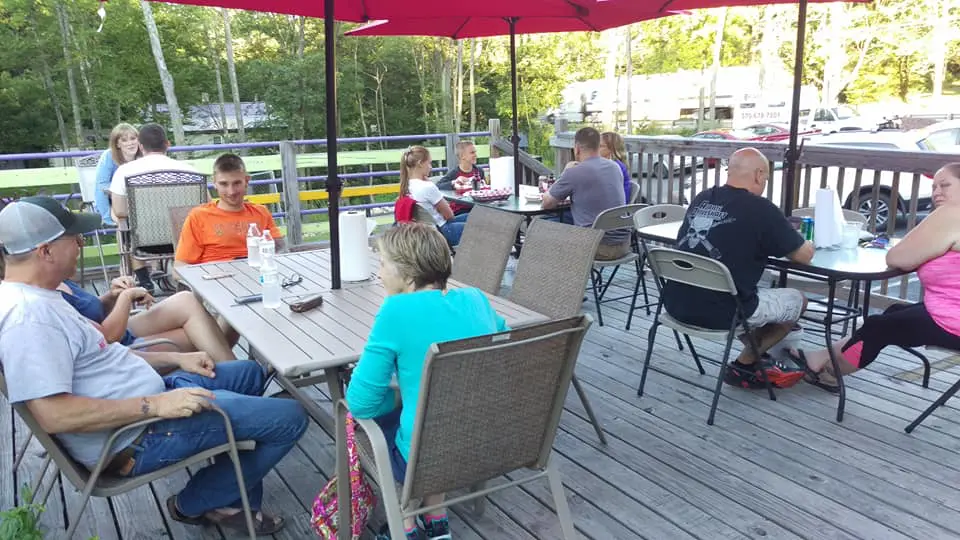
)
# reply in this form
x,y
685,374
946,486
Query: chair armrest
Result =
x,y
152,342
378,442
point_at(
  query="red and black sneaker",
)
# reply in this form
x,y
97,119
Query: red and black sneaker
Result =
x,y
780,374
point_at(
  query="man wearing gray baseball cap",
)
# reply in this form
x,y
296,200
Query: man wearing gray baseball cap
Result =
x,y
31,222
81,389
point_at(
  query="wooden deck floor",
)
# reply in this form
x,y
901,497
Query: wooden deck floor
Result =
x,y
778,470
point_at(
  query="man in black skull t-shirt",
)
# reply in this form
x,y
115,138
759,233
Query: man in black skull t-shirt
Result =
x,y
737,226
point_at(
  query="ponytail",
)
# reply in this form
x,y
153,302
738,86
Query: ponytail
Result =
x,y
412,157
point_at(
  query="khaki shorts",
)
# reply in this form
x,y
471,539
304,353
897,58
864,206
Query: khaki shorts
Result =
x,y
612,252
777,306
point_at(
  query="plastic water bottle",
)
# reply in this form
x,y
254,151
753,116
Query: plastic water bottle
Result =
x,y
268,248
270,281
253,245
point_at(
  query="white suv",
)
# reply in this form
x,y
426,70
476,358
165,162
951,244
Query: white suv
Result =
x,y
931,139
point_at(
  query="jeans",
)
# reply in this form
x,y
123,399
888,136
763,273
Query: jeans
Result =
x,y
275,424
390,424
453,229
565,216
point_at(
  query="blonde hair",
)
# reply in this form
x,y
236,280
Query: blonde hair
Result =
x,y
412,157
951,169
419,252
463,145
119,131
614,142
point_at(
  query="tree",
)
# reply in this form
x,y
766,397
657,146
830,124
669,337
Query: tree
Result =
x,y
232,73
165,78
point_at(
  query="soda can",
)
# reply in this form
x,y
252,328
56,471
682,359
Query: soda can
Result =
x,y
807,228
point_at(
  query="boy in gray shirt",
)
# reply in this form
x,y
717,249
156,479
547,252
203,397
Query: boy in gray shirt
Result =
x,y
594,185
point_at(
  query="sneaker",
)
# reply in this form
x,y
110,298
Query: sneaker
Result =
x,y
436,529
780,374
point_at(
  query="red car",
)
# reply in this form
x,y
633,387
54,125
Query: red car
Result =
x,y
728,134
772,132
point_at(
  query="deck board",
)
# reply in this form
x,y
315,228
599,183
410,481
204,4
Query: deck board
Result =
x,y
781,470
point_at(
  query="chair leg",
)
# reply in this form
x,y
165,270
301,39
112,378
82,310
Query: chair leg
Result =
x,y
589,409
594,277
642,273
560,502
84,499
46,491
39,481
651,337
103,262
693,352
633,300
676,336
926,364
22,452
723,370
479,503
940,401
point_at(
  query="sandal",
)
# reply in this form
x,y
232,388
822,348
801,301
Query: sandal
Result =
x,y
263,524
812,377
176,515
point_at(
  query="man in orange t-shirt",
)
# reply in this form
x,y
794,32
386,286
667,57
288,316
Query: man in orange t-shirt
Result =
x,y
217,231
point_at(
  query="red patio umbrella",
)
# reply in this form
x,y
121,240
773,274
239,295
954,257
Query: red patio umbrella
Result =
x,y
365,10
602,15
368,10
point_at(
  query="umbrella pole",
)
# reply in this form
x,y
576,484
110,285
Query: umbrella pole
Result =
x,y
792,154
333,181
515,139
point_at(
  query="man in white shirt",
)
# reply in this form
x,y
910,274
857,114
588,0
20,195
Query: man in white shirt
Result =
x,y
153,145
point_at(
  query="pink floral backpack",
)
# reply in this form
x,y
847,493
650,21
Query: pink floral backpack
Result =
x,y
362,499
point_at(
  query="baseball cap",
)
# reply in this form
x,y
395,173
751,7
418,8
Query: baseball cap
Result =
x,y
28,222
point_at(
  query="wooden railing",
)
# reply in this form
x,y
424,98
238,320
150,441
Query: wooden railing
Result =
x,y
674,170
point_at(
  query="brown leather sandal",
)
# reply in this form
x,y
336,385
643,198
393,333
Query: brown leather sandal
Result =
x,y
263,524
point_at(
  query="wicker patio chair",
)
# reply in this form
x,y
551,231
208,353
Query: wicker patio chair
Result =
x,y
149,199
488,406
551,278
99,483
705,273
488,238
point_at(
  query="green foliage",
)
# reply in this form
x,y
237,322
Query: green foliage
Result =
x,y
22,522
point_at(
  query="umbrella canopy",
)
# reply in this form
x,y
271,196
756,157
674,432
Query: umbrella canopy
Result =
x,y
601,15
368,10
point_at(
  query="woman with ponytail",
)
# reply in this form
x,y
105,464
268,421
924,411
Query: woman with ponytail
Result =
x,y
415,166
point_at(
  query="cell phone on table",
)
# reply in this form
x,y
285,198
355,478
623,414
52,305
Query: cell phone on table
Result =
x,y
249,299
221,275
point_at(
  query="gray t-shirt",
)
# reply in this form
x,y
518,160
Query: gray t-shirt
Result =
x,y
594,185
49,348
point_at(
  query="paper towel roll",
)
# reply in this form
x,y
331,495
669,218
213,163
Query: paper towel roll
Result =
x,y
501,173
354,249
828,219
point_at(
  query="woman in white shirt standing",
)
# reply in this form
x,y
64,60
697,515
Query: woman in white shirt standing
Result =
x,y
415,166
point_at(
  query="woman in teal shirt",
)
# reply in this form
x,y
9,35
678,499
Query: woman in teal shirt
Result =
x,y
124,147
414,267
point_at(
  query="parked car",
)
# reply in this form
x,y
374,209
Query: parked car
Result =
x,y
774,132
721,134
929,140
639,164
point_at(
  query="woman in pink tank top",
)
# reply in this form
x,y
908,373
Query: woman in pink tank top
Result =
x,y
932,249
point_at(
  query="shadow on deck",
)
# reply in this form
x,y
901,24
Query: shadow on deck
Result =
x,y
781,470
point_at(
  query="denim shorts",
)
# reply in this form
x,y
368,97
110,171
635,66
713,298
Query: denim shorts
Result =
x,y
390,424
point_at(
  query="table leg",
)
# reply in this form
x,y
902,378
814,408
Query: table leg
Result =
x,y
324,419
828,333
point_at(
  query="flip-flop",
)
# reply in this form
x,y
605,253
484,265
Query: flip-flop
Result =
x,y
263,524
176,515
809,375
